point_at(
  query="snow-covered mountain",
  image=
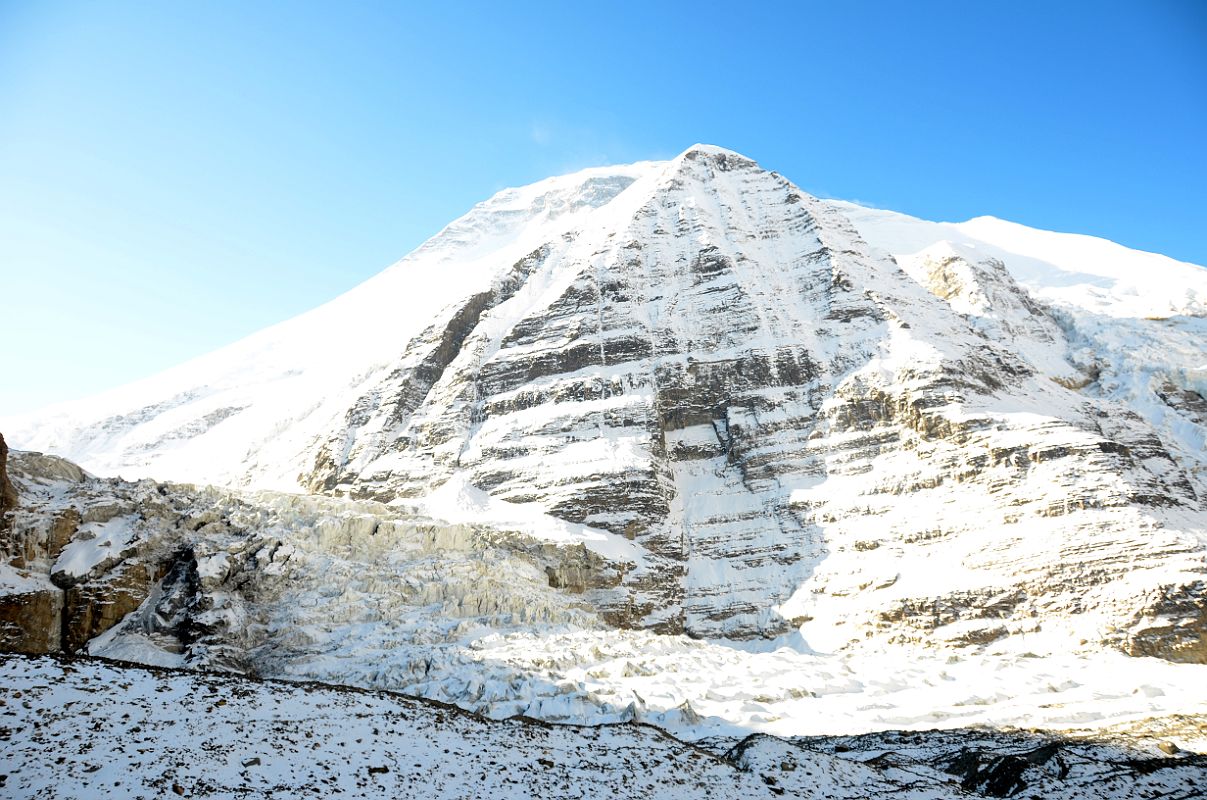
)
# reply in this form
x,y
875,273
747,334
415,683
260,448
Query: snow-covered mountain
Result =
x,y
674,451
761,411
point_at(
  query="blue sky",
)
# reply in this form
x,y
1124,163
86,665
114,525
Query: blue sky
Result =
x,y
174,176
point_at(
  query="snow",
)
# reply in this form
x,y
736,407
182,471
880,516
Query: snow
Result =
x,y
209,736
212,567
13,581
459,502
95,543
81,728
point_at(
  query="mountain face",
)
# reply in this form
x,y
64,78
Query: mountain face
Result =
x,y
752,411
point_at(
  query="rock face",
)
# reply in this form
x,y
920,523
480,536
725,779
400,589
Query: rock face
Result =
x,y
768,413
8,492
31,619
30,611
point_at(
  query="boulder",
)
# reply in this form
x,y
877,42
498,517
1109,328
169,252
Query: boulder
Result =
x,y
30,620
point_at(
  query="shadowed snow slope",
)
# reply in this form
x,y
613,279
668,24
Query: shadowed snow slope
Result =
x,y
771,413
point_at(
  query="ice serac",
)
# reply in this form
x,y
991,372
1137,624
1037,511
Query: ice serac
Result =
x,y
795,428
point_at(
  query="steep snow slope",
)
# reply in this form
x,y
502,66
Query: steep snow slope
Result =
x,y
712,380
250,413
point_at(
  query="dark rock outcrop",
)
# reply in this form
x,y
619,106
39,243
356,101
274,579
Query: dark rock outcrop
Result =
x,y
31,620
8,492
974,763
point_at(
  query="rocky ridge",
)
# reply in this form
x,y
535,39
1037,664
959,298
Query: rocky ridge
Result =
x,y
8,492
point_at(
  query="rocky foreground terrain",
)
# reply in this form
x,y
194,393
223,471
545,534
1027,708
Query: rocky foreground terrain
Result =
x,y
83,728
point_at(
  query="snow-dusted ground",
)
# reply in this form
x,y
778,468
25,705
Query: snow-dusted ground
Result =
x,y
85,729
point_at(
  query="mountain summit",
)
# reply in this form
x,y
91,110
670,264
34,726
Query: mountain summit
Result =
x,y
765,412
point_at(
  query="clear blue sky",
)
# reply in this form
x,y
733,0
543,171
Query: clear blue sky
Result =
x,y
176,175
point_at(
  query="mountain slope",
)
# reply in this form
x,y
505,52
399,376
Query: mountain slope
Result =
x,y
247,414
1135,321
768,411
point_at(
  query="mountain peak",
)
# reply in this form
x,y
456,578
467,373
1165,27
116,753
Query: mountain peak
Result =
x,y
710,149
721,155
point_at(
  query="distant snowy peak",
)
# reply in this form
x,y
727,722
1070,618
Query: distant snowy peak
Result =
x,y
1135,322
1085,272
